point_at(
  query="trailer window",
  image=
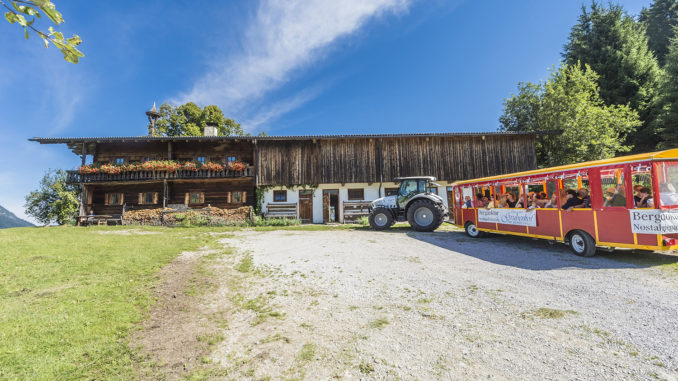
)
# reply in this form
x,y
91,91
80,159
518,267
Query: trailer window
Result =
x,y
642,187
667,178
614,192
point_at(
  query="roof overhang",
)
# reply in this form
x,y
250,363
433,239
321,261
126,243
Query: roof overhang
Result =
x,y
80,145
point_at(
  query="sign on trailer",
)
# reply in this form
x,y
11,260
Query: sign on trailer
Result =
x,y
654,221
519,217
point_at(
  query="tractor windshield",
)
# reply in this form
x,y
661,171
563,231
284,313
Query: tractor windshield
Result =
x,y
408,187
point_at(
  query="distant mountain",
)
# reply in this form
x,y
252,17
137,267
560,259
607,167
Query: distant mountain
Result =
x,y
9,220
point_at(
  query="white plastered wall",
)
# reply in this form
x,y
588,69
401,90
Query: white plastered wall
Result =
x,y
371,192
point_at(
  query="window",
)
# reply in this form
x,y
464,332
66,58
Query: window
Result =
x,y
230,159
643,197
667,178
356,194
280,196
433,190
201,159
614,192
195,198
114,198
148,158
237,197
119,160
391,191
148,198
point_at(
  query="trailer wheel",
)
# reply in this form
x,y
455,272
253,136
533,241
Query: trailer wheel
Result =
x,y
582,244
424,216
381,218
472,230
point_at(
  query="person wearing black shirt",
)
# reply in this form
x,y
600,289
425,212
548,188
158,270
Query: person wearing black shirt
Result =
x,y
572,199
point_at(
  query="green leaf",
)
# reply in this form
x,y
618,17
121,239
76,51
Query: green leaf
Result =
x,y
11,17
75,40
26,33
46,41
50,10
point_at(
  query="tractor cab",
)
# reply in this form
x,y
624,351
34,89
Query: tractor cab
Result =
x,y
412,186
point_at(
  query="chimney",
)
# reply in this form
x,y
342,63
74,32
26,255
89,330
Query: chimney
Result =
x,y
210,131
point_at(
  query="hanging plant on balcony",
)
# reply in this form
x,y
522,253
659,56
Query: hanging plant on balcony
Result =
x,y
211,166
159,165
237,166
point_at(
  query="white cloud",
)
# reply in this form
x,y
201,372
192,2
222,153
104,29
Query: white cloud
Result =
x,y
284,37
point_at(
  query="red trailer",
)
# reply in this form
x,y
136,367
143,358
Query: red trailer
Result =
x,y
615,213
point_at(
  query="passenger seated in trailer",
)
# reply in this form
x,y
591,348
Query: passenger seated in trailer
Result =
x,y
615,197
644,198
468,203
583,194
494,202
484,202
667,194
511,200
636,194
572,199
552,202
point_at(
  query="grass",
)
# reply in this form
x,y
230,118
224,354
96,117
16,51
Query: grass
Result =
x,y
70,296
306,353
366,367
550,313
379,323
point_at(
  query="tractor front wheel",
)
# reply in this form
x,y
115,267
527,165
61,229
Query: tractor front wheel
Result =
x,y
425,216
381,218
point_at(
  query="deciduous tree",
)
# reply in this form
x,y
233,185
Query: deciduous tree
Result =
x,y
55,200
25,12
569,102
190,120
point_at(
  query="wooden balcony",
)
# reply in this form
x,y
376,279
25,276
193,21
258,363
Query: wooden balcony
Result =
x,y
77,177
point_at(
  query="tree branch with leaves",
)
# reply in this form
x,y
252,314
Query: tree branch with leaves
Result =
x,y
26,12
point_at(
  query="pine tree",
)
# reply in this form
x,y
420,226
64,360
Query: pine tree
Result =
x,y
615,46
667,121
660,20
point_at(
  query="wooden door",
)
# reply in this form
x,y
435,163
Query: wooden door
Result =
x,y
326,207
306,206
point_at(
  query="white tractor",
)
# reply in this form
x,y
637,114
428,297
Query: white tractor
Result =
x,y
415,202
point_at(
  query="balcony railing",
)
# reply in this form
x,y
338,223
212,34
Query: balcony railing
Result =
x,y
77,177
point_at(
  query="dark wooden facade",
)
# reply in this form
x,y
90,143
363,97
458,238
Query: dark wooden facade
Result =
x,y
294,160
380,159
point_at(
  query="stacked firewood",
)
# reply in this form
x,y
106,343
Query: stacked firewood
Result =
x,y
170,217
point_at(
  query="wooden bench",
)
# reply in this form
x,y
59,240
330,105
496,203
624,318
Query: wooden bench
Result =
x,y
99,219
355,209
281,210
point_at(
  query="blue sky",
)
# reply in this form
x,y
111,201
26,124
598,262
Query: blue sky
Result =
x,y
285,67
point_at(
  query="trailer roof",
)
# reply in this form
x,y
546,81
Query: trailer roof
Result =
x,y
671,154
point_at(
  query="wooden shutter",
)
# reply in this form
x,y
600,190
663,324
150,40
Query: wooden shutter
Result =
x,y
202,197
155,197
244,197
122,198
89,196
187,198
228,197
141,198
107,198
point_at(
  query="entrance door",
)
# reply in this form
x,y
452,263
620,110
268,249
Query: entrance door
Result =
x,y
330,205
306,206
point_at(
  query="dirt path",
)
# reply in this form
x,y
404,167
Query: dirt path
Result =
x,y
362,304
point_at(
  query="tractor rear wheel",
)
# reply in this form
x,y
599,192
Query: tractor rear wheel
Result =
x,y
425,216
381,218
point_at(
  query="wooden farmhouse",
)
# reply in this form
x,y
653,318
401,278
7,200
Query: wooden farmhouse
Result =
x,y
318,179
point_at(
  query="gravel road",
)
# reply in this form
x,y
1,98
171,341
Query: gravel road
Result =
x,y
357,304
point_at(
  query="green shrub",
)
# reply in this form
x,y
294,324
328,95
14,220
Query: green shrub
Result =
x,y
363,221
260,221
